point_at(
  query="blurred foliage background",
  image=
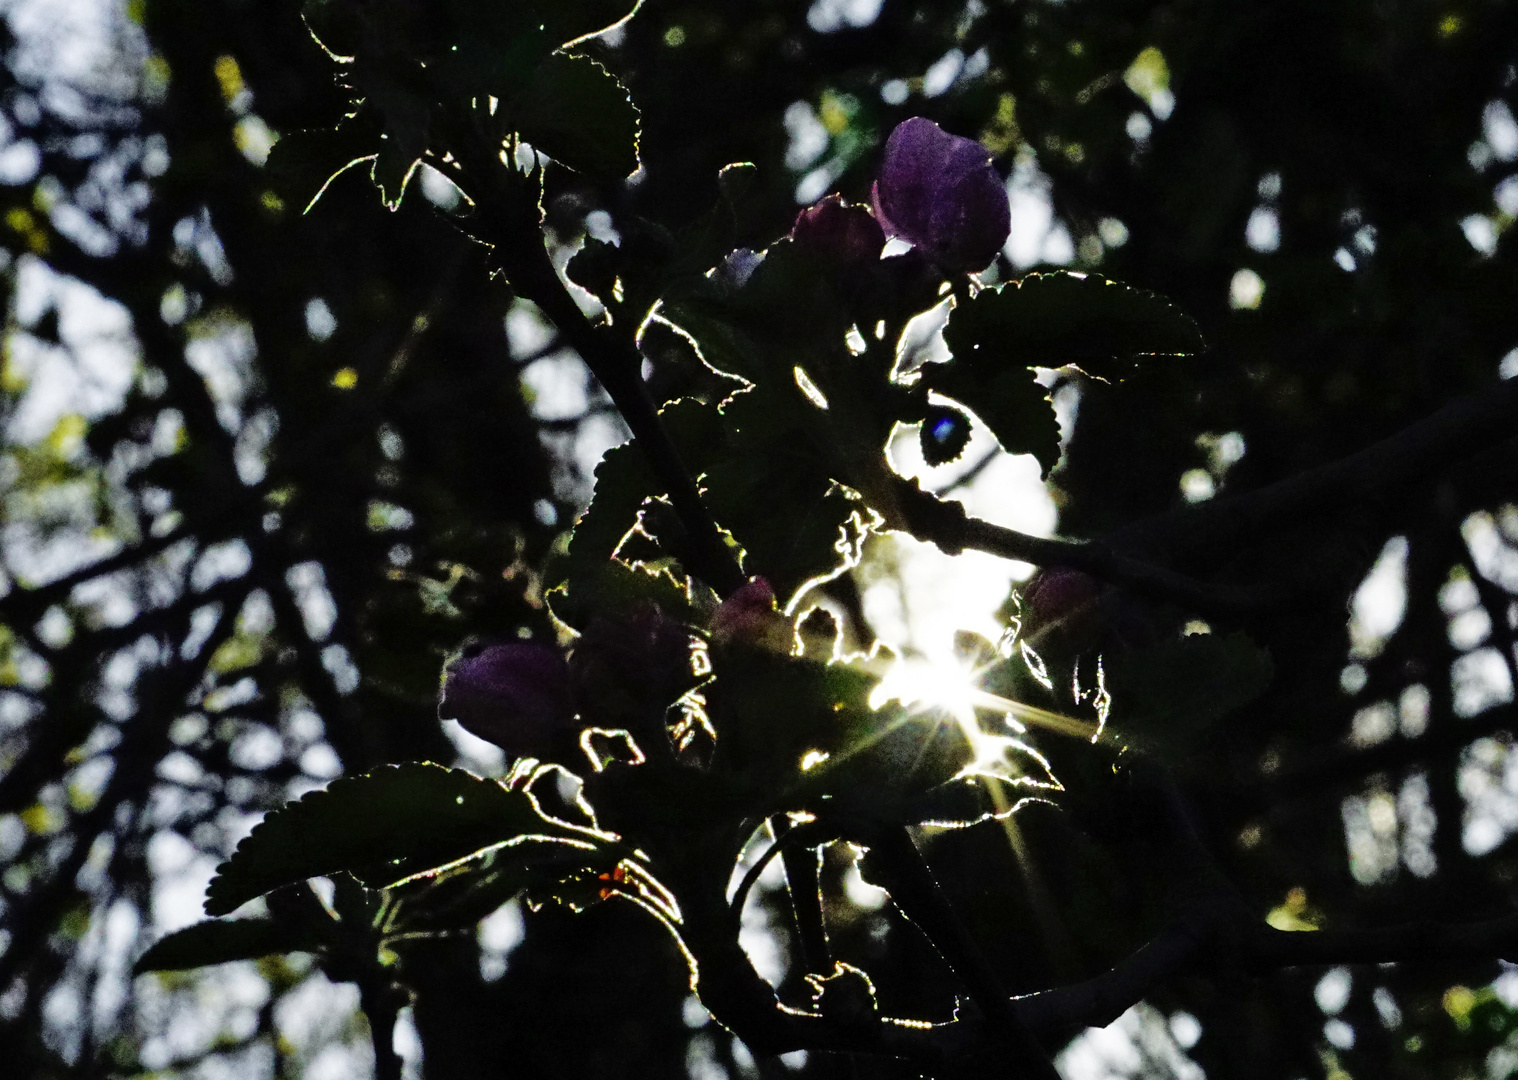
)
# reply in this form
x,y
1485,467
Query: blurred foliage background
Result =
x,y
263,470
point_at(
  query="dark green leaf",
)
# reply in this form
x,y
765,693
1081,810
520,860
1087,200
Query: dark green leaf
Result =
x,y
1051,320
460,895
336,25
381,826
568,21
945,433
406,117
302,163
577,113
623,480
1172,693
496,49
724,347
1007,399
595,268
219,941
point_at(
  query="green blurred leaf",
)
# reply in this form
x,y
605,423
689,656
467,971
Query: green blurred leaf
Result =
x,y
577,113
380,826
219,941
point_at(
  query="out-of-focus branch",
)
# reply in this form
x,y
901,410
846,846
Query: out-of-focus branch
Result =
x,y
1461,429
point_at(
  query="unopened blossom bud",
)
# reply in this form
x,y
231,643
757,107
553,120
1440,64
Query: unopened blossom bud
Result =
x,y
631,666
751,617
941,194
844,234
1056,593
515,695
732,273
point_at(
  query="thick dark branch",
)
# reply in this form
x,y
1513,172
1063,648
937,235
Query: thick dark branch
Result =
x,y
1463,428
947,525
1492,939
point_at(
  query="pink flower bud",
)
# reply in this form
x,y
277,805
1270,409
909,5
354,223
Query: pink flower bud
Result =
x,y
515,695
750,616
839,232
940,193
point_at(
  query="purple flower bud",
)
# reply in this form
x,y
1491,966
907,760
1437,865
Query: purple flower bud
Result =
x,y
631,667
839,232
750,616
733,272
1057,593
515,695
940,193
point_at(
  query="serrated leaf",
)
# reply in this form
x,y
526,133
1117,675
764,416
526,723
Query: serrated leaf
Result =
x,y
1059,319
622,481
381,826
569,21
302,164
944,435
336,25
460,895
595,269
1174,692
406,116
219,941
577,113
1007,399
723,346
795,525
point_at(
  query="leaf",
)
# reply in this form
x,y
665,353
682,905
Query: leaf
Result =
x,y
622,481
944,435
964,801
381,826
571,21
458,896
1172,693
219,941
1007,399
406,117
577,113
1059,319
302,164
795,525
595,268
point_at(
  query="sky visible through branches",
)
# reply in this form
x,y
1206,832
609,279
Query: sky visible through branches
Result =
x,y
912,595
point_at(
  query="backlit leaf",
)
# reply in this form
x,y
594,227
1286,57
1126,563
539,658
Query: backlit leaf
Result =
x,y
381,826
219,941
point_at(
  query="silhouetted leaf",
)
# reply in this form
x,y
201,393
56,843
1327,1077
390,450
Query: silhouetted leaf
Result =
x,y
577,113
945,433
568,21
1007,399
1051,320
459,895
218,941
1172,693
382,826
302,163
